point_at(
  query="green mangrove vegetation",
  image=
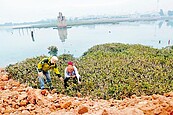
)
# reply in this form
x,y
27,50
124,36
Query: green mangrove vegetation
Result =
x,y
111,70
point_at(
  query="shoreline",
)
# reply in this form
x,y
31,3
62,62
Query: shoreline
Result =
x,y
89,22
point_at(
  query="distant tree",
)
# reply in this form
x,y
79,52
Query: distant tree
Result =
x,y
53,50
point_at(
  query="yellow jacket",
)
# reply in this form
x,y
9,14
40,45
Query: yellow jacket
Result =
x,y
45,65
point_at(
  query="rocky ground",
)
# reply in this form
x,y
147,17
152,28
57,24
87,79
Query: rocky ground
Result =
x,y
19,99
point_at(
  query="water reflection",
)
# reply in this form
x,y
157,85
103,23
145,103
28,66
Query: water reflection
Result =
x,y
21,31
170,23
26,31
32,36
160,24
62,32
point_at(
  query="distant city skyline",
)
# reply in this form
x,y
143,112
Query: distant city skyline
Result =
x,y
17,11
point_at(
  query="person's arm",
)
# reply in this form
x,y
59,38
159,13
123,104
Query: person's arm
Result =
x,y
65,73
40,66
58,74
77,74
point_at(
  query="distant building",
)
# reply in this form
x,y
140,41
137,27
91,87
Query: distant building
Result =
x,y
161,12
61,21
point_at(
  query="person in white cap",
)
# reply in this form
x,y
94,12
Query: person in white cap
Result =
x,y
43,70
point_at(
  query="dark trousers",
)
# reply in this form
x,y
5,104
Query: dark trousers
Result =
x,y
74,81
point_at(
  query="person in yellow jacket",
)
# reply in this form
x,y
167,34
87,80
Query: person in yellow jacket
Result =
x,y
43,70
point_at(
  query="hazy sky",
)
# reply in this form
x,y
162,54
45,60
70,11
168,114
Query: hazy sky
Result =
x,y
34,10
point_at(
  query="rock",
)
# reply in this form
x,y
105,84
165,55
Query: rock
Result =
x,y
4,78
105,112
31,96
43,92
66,105
2,70
78,94
53,91
23,102
131,111
2,88
25,112
83,110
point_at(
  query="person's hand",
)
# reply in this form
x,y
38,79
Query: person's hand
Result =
x,y
61,79
73,76
40,74
79,82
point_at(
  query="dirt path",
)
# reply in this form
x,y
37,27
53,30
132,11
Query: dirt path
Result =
x,y
18,99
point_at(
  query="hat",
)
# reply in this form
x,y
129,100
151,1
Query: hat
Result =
x,y
54,59
70,63
70,68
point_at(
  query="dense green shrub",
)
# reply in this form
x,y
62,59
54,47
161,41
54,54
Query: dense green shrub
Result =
x,y
110,71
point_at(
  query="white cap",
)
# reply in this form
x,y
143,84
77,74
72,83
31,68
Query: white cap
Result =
x,y
54,59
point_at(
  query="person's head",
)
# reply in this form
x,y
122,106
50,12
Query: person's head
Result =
x,y
70,67
54,59
70,63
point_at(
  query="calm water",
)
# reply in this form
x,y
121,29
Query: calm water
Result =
x,y
18,44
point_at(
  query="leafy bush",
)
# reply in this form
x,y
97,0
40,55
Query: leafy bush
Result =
x,y
110,71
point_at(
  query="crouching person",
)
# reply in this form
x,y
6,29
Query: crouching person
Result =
x,y
71,72
43,70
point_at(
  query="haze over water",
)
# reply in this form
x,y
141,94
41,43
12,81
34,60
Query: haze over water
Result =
x,y
18,44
